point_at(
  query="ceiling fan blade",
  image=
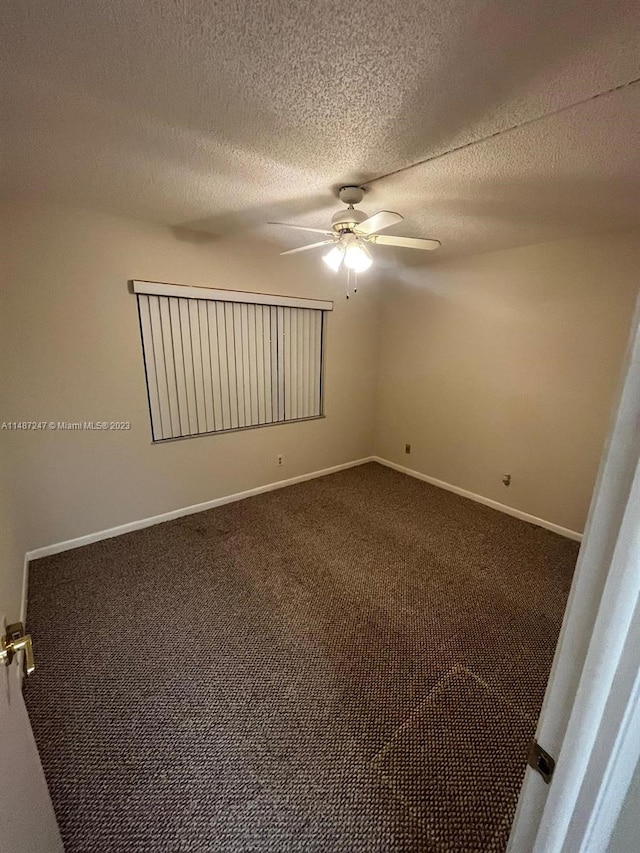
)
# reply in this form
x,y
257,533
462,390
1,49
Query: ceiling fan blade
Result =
x,y
302,228
377,222
406,242
310,246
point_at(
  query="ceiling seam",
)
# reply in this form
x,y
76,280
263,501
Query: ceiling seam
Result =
x,y
505,130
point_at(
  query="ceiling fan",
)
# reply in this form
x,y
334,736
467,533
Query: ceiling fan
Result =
x,y
352,231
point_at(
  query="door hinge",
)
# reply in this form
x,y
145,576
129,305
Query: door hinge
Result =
x,y
540,760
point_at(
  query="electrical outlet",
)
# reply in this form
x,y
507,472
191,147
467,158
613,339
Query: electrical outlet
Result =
x,y
407,448
280,459
507,479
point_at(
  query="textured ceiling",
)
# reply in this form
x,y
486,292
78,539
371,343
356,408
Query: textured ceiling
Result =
x,y
218,115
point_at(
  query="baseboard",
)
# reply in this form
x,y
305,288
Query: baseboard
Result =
x,y
48,550
516,513
58,547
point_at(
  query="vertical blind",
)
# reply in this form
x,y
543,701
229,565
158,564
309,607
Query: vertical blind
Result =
x,y
221,360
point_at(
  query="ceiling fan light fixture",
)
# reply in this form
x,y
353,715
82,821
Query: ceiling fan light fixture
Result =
x,y
357,258
333,258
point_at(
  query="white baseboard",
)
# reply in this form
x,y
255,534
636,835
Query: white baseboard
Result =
x,y
516,513
48,550
57,548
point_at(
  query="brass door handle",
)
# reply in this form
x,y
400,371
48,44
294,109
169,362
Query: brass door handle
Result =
x,y
15,641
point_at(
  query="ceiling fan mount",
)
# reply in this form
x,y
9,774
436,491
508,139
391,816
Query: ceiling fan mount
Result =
x,y
351,195
345,221
352,231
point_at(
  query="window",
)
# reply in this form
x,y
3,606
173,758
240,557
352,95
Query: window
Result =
x,y
220,360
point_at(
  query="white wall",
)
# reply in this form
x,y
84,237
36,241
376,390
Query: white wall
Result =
x,y
508,362
71,352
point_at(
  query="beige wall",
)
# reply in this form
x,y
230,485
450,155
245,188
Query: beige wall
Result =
x,y
71,351
508,362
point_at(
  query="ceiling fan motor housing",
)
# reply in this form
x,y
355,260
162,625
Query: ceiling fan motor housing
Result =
x,y
346,220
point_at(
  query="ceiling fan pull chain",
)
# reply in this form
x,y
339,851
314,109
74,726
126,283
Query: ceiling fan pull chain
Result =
x,y
352,282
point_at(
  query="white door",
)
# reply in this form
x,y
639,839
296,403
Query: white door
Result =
x,y
593,693
27,820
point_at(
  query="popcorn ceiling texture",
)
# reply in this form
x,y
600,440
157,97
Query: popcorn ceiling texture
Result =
x,y
221,115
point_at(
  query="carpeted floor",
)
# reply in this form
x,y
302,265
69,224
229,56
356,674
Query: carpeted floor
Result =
x,y
354,663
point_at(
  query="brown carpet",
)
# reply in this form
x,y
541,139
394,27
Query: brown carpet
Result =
x,y
355,663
